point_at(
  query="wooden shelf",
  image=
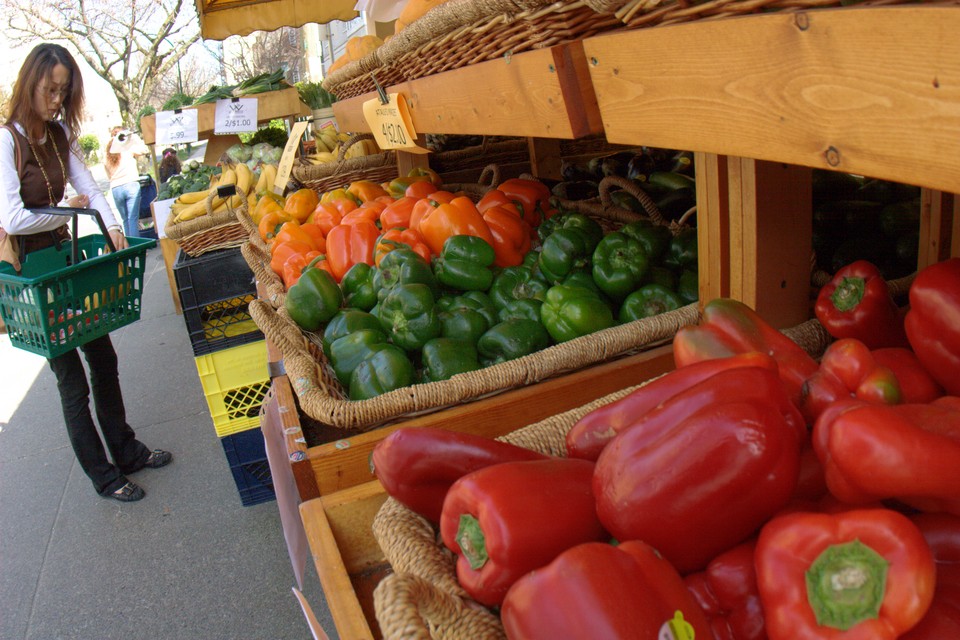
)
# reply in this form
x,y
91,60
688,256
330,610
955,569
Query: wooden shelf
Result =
x,y
542,93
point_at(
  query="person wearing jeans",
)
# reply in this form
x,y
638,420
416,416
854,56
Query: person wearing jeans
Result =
x,y
121,166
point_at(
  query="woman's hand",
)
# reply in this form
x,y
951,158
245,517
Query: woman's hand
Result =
x,y
79,202
119,240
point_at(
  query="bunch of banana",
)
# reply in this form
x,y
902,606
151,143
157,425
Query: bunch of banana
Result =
x,y
327,139
329,143
268,175
194,204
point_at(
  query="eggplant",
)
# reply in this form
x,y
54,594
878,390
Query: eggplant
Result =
x,y
677,202
640,166
573,171
683,163
576,190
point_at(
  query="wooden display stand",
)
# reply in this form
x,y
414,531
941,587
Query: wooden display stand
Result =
x,y
872,91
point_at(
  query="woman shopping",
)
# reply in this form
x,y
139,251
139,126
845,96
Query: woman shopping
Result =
x,y
121,164
39,154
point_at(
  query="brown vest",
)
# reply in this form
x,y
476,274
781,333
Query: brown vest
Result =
x,y
33,186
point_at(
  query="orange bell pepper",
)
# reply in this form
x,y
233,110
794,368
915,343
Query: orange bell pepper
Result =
x,y
497,198
427,204
399,237
532,196
420,189
458,217
348,244
271,222
370,214
296,264
366,190
398,213
280,252
511,236
293,230
326,217
264,204
317,233
339,194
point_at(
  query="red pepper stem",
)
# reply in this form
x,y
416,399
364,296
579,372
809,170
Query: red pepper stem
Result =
x,y
471,541
846,585
848,294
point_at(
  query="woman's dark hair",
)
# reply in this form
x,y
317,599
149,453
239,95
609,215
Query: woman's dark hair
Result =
x,y
169,165
37,68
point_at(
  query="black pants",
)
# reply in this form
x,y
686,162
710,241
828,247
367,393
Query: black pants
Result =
x,y
128,453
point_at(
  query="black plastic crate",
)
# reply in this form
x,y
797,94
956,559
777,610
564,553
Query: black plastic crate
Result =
x,y
247,457
215,290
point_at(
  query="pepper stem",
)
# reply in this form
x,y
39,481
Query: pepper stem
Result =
x,y
848,294
471,541
846,584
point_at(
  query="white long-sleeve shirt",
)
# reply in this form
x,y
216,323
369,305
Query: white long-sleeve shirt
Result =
x,y
126,171
17,220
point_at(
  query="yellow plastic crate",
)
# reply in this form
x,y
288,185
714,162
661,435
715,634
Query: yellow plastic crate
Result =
x,y
235,382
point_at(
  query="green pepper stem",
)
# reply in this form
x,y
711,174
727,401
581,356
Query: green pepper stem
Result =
x,y
848,294
471,541
846,585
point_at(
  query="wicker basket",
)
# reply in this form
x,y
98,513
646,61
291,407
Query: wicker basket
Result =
x,y
377,167
212,231
422,598
458,33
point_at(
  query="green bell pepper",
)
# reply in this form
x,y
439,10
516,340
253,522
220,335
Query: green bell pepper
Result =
x,y
517,283
512,339
688,287
314,299
403,266
346,322
467,316
657,274
570,312
563,252
444,358
409,315
619,264
350,350
387,369
591,231
465,263
683,249
526,309
649,300
584,280
357,287
655,238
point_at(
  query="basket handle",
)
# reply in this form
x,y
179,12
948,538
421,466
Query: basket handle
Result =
x,y
72,213
630,187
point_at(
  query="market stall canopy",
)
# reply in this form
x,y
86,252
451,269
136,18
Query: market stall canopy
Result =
x,y
220,19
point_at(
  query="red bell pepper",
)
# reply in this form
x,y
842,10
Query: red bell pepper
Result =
x,y
916,385
863,574
348,244
727,592
508,519
596,591
701,486
296,264
745,384
730,327
531,196
416,466
397,214
848,370
856,303
280,252
933,322
942,533
910,452
587,437
511,236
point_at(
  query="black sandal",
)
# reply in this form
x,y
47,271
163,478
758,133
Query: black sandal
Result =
x,y
158,458
129,492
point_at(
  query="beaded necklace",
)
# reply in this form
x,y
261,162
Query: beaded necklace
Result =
x,y
43,171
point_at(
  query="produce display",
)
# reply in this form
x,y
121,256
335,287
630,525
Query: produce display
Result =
x,y
194,204
438,285
791,497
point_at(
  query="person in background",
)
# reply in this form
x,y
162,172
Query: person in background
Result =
x,y
121,164
169,164
39,154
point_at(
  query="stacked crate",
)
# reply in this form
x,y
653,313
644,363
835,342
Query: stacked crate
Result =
x,y
215,289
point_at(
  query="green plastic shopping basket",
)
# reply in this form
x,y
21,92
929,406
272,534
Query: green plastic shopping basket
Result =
x,y
68,295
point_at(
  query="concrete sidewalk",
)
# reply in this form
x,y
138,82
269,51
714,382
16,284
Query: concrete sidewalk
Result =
x,y
188,561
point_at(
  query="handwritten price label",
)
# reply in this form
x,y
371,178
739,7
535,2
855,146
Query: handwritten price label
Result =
x,y
176,128
391,124
235,115
285,166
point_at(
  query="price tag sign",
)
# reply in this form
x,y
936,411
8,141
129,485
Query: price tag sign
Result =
x,y
391,124
235,115
176,127
285,166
